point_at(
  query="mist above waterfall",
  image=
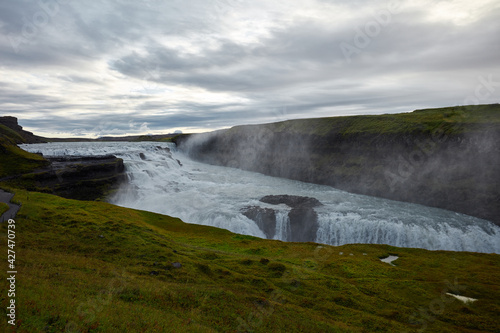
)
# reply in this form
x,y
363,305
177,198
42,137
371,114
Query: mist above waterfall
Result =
x,y
259,148
167,181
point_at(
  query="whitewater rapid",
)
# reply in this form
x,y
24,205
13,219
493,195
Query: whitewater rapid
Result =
x,y
164,180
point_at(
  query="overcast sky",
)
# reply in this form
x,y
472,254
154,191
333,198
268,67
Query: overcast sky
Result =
x,y
94,68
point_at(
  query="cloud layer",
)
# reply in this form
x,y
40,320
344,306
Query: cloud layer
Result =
x,y
121,67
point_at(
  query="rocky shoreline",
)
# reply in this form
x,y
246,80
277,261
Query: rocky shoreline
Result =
x,y
79,177
72,177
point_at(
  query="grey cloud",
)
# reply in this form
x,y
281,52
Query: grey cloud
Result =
x,y
309,52
298,69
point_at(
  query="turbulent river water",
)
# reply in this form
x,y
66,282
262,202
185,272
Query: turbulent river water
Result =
x,y
166,181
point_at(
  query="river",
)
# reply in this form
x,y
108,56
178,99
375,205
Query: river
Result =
x,y
166,181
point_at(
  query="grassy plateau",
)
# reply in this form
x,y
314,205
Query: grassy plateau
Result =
x,y
449,120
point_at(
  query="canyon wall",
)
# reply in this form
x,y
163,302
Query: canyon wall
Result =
x,y
447,158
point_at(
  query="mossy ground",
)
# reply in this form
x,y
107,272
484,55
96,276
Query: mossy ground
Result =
x,y
3,208
449,120
94,267
13,160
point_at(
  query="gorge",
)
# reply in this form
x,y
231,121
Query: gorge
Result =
x,y
165,180
447,158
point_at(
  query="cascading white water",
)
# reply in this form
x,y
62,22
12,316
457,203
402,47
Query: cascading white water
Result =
x,y
282,225
170,183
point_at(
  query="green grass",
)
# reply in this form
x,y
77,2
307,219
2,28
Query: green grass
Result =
x,y
14,160
448,120
94,267
3,207
10,134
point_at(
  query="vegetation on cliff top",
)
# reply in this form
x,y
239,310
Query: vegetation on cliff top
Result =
x,y
451,120
95,267
14,160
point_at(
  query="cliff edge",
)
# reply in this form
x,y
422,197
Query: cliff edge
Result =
x,y
75,177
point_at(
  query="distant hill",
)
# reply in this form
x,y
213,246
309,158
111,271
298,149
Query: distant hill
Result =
x,y
130,138
19,135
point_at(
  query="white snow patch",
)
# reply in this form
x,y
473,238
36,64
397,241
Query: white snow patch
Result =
x,y
463,298
389,260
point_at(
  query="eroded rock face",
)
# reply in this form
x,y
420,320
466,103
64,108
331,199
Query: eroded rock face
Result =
x,y
303,224
303,218
265,218
456,166
80,177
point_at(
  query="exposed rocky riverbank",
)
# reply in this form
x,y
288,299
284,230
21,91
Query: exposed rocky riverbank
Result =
x,y
76,177
73,177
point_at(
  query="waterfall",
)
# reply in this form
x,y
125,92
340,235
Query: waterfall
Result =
x,y
165,181
338,229
282,225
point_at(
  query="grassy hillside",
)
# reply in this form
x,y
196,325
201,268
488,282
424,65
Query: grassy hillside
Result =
x,y
3,207
94,267
13,160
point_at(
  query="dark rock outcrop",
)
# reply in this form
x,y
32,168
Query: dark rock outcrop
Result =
x,y
303,225
293,201
77,177
74,177
165,149
265,218
303,218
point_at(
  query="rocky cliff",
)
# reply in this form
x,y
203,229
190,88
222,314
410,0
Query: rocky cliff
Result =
x,y
84,178
303,219
15,161
77,177
447,158
23,136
